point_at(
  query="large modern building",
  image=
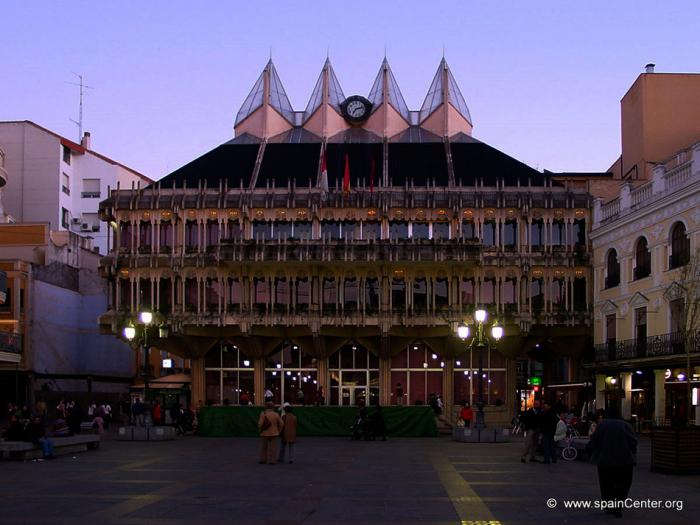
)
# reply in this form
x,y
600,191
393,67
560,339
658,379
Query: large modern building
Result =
x,y
58,181
644,240
340,246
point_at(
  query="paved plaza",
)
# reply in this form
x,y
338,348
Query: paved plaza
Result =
x,y
407,481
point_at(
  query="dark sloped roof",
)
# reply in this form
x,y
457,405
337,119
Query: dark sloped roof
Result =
x,y
418,163
284,161
476,160
232,162
415,155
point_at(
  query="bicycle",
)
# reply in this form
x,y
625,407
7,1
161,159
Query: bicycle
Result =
x,y
569,452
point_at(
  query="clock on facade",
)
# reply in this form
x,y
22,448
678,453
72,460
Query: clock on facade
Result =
x,y
356,109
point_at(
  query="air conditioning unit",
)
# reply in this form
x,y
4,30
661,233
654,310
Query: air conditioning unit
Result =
x,y
75,220
85,227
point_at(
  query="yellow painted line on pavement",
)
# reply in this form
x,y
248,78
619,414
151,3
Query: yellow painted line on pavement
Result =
x,y
470,508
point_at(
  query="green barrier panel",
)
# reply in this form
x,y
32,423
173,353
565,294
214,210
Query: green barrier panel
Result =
x,y
316,421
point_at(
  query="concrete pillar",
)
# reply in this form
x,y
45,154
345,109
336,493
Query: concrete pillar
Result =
x,y
659,396
198,382
323,378
385,381
448,387
626,405
599,391
259,381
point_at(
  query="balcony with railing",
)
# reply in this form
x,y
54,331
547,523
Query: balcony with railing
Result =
x,y
667,178
654,346
319,250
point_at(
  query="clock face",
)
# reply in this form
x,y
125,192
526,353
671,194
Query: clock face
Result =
x,y
356,109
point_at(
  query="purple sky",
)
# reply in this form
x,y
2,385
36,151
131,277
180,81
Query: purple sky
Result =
x,y
542,80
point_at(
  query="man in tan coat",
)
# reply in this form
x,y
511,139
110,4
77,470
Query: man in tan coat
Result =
x,y
270,425
289,434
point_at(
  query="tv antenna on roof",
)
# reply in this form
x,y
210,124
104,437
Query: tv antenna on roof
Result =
x,y
83,87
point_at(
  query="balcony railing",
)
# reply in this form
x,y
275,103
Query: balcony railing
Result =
x,y
653,346
319,250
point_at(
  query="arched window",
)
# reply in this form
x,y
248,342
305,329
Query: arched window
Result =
x,y
612,270
442,298
281,293
166,236
537,293
191,292
191,235
489,233
330,294
371,295
145,236
510,234
124,294
212,233
642,259
398,294
125,235
420,295
212,293
303,298
466,291
235,295
260,293
350,294
680,246
165,296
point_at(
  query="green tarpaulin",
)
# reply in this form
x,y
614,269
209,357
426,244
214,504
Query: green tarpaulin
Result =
x,y
316,421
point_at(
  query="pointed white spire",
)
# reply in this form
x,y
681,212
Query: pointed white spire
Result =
x,y
328,88
386,90
444,87
268,89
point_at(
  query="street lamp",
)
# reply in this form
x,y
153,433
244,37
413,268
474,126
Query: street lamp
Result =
x,y
481,341
146,318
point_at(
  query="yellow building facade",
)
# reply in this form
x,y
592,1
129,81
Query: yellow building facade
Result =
x,y
643,242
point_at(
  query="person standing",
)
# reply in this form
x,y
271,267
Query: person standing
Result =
x,y
270,425
300,397
157,413
466,414
289,435
269,396
548,428
613,448
531,423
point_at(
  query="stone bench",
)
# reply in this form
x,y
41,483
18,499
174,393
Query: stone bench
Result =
x,y
61,446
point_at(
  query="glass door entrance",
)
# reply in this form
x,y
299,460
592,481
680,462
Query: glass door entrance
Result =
x,y
351,395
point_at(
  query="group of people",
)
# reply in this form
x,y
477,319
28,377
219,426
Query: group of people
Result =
x,y
612,445
183,419
368,427
273,426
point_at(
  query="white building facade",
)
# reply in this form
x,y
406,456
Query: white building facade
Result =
x,y
59,181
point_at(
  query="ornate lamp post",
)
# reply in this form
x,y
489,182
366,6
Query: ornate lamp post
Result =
x,y
481,341
146,318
